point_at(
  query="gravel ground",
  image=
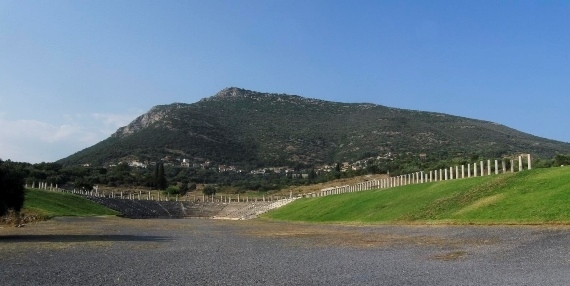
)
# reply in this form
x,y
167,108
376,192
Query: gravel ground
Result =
x,y
116,251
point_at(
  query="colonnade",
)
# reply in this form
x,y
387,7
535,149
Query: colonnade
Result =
x,y
454,172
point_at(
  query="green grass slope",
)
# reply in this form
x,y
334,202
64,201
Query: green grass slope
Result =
x,y
529,197
51,204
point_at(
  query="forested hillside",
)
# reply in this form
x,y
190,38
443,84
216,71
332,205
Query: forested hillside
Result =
x,y
252,129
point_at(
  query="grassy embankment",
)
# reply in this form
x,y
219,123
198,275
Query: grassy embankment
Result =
x,y
530,197
50,204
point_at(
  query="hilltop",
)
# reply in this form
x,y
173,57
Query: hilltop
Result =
x,y
253,129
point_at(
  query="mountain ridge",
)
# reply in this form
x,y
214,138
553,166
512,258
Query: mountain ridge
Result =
x,y
243,127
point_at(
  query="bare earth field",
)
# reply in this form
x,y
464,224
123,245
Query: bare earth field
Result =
x,y
117,251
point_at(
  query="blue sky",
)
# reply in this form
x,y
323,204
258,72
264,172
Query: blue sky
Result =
x,y
72,72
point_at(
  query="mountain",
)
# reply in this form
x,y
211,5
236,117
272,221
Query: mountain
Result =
x,y
247,128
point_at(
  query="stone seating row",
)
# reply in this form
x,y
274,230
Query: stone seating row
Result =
x,y
158,209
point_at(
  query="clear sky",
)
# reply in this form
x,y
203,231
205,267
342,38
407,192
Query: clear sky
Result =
x,y
72,72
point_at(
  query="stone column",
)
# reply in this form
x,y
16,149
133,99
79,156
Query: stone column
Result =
x,y
520,164
435,175
431,176
422,179
512,166
440,174
528,161
474,169
488,167
496,167
482,169
462,171
446,174
456,172
504,165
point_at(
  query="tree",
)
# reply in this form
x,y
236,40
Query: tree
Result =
x,y
172,190
155,177
209,190
312,175
160,178
560,160
83,183
11,188
184,187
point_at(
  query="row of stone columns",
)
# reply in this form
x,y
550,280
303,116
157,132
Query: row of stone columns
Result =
x,y
139,196
450,173
42,186
364,186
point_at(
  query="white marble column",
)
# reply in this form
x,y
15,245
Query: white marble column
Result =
x,y
456,172
529,163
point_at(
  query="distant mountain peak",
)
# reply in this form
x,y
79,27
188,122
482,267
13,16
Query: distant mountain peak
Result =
x,y
233,92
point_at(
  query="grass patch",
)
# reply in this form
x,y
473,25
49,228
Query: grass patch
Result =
x,y
50,204
530,197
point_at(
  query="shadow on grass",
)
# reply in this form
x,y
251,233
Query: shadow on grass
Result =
x,y
81,238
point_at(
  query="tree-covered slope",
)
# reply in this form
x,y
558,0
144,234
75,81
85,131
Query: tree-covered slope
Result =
x,y
243,127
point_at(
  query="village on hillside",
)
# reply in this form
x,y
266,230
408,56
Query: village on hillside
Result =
x,y
286,170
